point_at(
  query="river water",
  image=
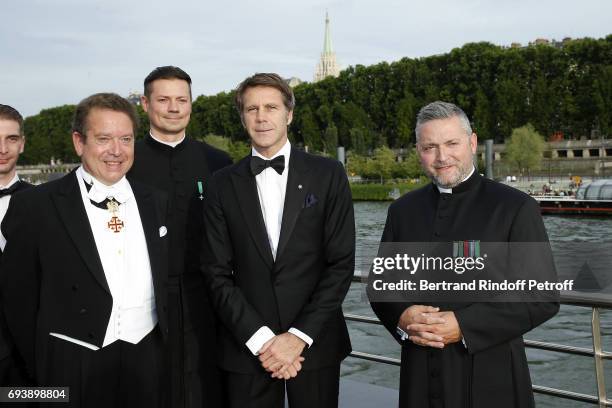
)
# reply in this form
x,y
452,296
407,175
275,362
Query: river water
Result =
x,y
577,243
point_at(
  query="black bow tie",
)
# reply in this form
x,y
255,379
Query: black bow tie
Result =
x,y
10,190
258,164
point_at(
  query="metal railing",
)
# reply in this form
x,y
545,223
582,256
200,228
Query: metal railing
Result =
x,y
595,301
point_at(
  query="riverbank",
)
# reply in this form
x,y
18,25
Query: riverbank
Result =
x,y
383,192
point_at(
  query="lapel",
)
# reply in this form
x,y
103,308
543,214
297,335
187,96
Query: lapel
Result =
x,y
248,201
295,195
69,205
150,221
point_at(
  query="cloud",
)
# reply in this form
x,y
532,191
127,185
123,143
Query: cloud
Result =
x,y
59,52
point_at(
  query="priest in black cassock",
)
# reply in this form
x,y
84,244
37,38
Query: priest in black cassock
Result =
x,y
466,354
12,142
168,160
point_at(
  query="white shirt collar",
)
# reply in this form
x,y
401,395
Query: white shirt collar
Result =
x,y
450,190
10,183
285,151
120,191
171,144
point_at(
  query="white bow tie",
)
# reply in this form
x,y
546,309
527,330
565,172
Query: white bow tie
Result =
x,y
100,192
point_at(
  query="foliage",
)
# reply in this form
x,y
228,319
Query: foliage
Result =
x,y
236,149
382,165
524,149
382,192
567,89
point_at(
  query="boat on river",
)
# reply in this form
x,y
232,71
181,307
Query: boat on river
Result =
x,y
594,198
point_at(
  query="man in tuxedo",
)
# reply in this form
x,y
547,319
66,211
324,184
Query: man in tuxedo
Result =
x,y
463,354
279,257
83,274
12,142
178,165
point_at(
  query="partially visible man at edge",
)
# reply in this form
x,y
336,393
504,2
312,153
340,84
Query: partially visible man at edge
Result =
x,y
472,354
169,160
12,142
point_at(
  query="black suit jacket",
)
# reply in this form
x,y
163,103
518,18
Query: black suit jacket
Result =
x,y
315,259
52,278
492,370
6,345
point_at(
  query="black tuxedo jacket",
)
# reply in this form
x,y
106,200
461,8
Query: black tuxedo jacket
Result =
x,y
6,345
305,286
52,278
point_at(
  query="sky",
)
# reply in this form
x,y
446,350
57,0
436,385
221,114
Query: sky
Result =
x,y
55,52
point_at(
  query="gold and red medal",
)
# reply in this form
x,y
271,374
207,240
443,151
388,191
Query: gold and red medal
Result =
x,y
115,224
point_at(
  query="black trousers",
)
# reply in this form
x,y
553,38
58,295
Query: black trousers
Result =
x,y
13,372
120,375
310,389
194,379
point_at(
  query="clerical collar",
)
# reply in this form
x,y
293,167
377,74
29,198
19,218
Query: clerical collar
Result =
x,y
450,190
285,151
171,144
10,183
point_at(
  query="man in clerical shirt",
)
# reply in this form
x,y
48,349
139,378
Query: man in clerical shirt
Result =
x,y
12,142
177,164
84,270
461,354
279,258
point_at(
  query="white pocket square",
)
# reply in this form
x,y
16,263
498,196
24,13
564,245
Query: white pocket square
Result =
x,y
163,231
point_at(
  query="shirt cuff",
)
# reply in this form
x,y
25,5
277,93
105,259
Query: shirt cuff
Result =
x,y
306,338
257,340
403,335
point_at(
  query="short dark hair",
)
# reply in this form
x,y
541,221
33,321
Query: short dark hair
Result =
x,y
265,79
9,113
165,72
105,101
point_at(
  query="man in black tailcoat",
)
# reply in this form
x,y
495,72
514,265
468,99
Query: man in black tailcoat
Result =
x,y
12,142
83,277
175,163
279,258
464,354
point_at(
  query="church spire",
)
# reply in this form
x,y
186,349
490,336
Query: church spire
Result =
x,y
327,43
328,66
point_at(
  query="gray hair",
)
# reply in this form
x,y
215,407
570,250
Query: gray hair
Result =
x,y
442,110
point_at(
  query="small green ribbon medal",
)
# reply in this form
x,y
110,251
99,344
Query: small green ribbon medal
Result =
x,y
200,190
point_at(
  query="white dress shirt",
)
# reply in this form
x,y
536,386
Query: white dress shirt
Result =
x,y
125,261
271,188
4,204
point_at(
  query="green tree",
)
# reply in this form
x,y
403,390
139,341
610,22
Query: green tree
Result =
x,y
236,149
383,163
406,120
330,140
410,167
524,149
356,164
220,142
359,140
310,132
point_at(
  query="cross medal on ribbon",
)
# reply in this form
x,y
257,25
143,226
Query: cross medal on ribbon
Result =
x,y
200,190
115,224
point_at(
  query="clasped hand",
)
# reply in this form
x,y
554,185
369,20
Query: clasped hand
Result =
x,y
427,326
281,356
